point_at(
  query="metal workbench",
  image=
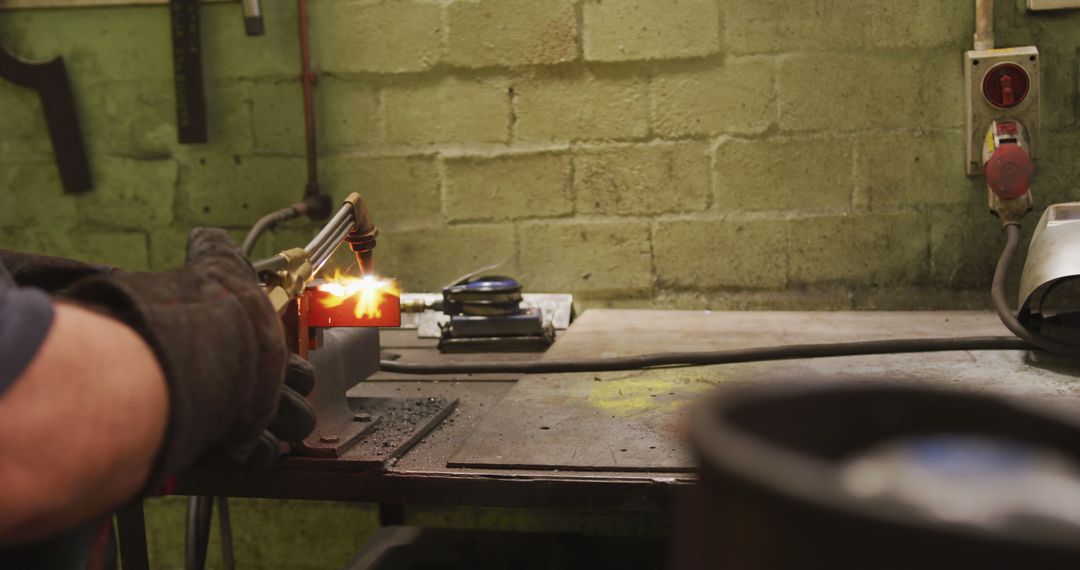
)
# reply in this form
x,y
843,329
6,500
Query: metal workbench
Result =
x,y
616,440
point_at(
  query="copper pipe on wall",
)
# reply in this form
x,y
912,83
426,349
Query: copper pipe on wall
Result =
x,y
984,24
318,203
307,82
315,204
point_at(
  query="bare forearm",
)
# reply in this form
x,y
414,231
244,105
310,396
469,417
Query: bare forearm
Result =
x,y
80,429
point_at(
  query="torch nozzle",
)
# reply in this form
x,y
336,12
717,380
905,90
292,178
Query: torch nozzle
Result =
x,y
362,237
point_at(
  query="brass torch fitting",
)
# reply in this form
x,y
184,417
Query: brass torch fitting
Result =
x,y
292,274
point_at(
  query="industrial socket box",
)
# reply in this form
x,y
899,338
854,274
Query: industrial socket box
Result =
x,y
985,71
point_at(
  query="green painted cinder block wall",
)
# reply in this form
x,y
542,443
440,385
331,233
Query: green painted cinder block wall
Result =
x,y
654,153
668,153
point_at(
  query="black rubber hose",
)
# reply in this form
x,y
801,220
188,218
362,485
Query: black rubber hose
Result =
x,y
198,532
269,221
199,508
682,359
1001,305
228,559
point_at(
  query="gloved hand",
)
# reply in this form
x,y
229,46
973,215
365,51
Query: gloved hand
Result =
x,y
235,389
46,272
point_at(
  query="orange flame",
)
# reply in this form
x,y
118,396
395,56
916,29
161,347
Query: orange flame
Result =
x,y
368,292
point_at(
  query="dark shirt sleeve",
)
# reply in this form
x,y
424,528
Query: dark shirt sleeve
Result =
x,y
25,318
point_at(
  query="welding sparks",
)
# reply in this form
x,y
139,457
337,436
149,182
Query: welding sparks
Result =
x,y
368,293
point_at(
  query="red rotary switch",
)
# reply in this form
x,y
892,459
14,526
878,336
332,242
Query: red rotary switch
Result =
x,y
1009,171
1005,85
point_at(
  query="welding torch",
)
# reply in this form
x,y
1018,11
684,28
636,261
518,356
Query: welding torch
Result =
x,y
287,273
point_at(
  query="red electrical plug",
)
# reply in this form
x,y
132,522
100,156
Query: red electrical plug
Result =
x,y
1009,172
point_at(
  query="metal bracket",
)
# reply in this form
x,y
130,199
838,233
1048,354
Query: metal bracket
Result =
x,y
347,356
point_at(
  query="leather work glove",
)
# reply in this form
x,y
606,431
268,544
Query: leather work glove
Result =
x,y
51,274
235,389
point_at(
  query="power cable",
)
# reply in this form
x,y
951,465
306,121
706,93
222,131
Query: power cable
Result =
x,y
709,358
1001,305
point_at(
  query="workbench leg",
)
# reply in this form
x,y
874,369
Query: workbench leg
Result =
x,y
391,514
131,527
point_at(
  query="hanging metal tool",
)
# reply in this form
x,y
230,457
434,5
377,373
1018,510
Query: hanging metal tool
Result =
x,y
253,19
50,80
188,71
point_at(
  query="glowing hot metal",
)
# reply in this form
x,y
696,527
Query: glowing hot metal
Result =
x,y
346,301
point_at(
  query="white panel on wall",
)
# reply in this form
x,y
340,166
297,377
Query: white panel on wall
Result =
x,y
13,4
1052,4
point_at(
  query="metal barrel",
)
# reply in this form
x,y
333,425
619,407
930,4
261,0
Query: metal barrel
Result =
x,y
775,488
